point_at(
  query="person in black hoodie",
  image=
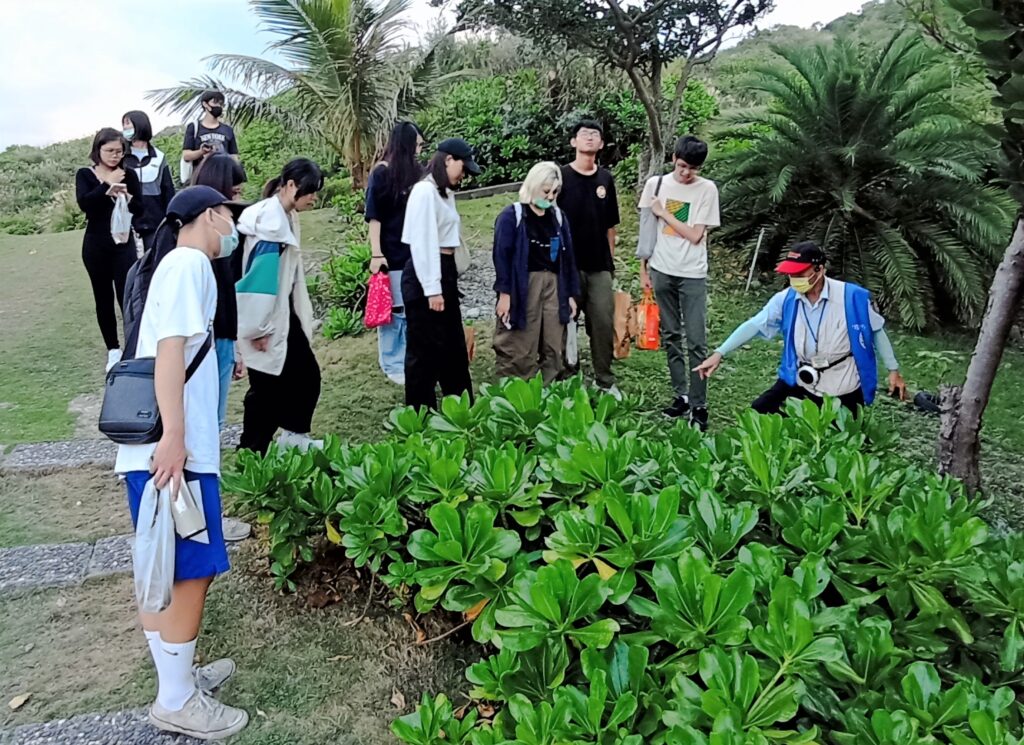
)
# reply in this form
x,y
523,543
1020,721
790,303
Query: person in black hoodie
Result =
x,y
107,262
226,175
150,166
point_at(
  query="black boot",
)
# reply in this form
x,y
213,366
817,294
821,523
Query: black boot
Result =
x,y
679,408
699,418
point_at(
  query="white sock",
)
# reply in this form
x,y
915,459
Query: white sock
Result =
x,y
174,670
153,639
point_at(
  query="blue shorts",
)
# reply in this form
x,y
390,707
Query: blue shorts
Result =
x,y
192,559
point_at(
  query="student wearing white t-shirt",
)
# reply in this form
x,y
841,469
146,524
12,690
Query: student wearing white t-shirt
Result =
x,y
686,206
174,328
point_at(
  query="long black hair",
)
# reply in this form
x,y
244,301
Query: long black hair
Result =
x,y
438,168
403,169
220,171
304,172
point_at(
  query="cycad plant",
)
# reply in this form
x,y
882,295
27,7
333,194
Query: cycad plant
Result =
x,y
867,152
347,75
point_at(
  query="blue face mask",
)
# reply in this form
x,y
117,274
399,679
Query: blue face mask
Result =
x,y
542,203
129,134
229,242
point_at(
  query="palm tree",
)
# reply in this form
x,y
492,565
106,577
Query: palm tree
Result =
x,y
868,153
348,76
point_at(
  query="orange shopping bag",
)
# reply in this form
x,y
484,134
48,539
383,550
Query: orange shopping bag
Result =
x,y
648,318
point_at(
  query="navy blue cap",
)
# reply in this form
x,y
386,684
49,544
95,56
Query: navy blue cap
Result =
x,y
192,201
460,150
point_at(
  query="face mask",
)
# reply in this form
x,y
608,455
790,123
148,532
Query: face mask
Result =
x,y
216,111
229,242
802,285
129,134
542,203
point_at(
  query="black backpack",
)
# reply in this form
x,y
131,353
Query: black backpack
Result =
x,y
129,415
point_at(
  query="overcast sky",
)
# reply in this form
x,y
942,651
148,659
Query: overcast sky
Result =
x,y
73,66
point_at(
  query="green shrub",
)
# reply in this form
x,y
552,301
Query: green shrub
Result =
x,y
18,225
787,581
341,322
342,279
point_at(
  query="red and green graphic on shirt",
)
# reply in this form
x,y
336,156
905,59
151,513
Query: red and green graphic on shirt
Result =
x,y
680,210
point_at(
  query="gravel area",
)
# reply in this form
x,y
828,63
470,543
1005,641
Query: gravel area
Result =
x,y
30,567
477,288
111,556
46,456
123,728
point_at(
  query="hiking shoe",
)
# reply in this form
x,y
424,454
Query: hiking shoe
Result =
x,y
612,391
202,717
699,418
679,408
211,677
113,357
234,530
302,441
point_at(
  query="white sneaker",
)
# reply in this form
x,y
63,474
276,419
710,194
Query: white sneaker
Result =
x,y
234,530
202,717
397,378
302,441
113,357
613,391
210,677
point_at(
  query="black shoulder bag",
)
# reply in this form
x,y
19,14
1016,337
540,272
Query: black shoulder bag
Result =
x,y
129,415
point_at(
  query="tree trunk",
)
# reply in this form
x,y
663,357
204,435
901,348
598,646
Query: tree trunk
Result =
x,y
963,407
650,96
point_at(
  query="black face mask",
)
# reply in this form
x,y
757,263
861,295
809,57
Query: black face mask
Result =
x,y
216,111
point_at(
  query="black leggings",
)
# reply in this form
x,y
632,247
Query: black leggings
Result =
x,y
108,268
773,400
287,400
435,347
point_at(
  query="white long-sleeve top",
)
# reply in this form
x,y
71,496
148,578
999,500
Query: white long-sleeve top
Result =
x,y
431,223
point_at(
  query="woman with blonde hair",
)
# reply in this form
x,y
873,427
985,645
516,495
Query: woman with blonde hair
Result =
x,y
535,279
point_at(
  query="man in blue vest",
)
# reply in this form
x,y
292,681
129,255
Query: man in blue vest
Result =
x,y
832,338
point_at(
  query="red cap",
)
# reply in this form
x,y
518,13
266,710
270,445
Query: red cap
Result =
x,y
801,258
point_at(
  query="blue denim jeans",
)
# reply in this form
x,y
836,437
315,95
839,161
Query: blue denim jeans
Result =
x,y
225,367
391,338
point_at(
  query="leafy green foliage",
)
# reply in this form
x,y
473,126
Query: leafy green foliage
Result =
x,y
868,153
791,580
341,322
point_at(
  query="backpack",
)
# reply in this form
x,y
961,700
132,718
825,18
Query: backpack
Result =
x,y
129,414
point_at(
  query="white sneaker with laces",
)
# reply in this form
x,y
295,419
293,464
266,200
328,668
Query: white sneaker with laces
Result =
x,y
113,357
299,440
212,676
202,717
234,530
397,378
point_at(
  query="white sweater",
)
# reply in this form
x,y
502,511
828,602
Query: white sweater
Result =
x,y
431,223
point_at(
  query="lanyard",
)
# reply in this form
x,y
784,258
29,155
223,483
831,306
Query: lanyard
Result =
x,y
807,321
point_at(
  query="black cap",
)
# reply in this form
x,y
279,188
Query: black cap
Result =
x,y
802,257
192,201
460,150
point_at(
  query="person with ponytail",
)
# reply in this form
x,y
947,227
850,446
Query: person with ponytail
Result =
x,y
436,342
275,314
387,194
226,175
175,329
150,166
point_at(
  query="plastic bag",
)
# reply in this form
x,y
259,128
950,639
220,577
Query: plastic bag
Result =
x,y
378,301
624,329
121,221
648,319
572,343
153,552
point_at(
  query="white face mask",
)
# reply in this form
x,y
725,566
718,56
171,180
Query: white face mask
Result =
x,y
229,242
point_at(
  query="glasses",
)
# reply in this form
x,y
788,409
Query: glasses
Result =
x,y
588,134
109,151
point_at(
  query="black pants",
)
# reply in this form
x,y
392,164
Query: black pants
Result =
x,y
773,400
108,267
435,350
287,400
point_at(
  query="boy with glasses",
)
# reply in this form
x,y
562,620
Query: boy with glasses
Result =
x,y
686,206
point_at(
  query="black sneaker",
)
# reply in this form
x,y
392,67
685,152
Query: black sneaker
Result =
x,y
699,418
679,408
